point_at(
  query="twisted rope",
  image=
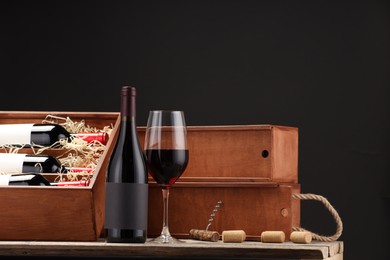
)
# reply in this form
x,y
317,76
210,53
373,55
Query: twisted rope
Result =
x,y
332,211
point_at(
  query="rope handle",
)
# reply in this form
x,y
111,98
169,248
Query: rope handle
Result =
x,y
332,211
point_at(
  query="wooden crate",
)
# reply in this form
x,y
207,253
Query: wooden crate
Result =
x,y
251,206
253,169
57,213
263,153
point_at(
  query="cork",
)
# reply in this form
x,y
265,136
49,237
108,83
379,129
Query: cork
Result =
x,y
302,237
233,236
273,237
204,235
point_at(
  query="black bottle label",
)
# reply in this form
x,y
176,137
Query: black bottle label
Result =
x,y
126,206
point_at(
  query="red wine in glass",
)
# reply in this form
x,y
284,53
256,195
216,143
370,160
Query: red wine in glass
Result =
x,y
166,165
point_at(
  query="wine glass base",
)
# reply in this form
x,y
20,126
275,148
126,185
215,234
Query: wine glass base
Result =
x,y
166,239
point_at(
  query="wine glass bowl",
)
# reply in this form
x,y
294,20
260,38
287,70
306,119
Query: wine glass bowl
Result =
x,y
166,156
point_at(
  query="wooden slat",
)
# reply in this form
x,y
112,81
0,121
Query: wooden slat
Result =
x,y
335,257
220,182
93,119
188,249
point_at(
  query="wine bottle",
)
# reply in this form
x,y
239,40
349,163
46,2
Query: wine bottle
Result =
x,y
35,179
126,209
25,179
71,183
42,135
35,163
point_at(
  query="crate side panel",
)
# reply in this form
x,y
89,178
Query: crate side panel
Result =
x,y
46,214
251,209
296,207
285,154
228,154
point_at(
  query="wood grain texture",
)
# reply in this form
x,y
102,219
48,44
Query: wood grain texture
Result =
x,y
188,249
262,152
253,209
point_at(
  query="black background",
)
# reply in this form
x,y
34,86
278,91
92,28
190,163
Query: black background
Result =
x,y
321,66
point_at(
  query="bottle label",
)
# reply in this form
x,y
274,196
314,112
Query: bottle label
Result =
x,y
15,134
4,179
11,162
126,206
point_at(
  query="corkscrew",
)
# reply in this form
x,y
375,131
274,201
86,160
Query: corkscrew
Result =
x,y
213,213
205,234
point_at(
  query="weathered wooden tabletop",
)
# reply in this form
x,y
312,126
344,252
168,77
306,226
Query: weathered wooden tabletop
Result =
x,y
187,249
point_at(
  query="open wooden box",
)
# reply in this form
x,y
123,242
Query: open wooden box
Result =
x,y
57,213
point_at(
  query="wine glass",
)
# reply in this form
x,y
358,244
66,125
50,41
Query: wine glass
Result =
x,y
166,156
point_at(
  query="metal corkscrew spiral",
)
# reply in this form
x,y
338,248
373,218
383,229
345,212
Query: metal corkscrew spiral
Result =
x,y
213,213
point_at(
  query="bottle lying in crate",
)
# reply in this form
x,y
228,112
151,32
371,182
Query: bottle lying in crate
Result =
x,y
35,163
35,179
45,135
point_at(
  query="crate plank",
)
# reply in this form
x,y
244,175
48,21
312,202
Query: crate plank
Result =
x,y
188,249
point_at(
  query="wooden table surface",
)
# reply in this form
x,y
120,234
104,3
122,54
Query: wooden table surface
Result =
x,y
188,249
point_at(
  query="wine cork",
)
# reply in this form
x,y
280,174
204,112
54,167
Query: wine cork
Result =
x,y
233,236
302,237
273,237
204,235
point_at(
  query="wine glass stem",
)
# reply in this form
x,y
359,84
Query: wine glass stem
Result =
x,y
165,229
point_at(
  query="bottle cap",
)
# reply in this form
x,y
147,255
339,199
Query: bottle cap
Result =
x,y
127,90
90,137
80,169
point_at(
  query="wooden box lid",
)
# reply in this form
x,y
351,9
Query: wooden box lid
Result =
x,y
263,153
